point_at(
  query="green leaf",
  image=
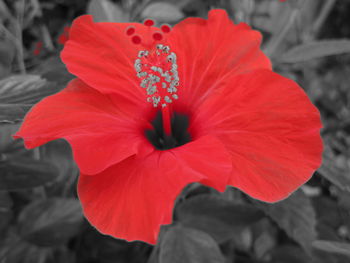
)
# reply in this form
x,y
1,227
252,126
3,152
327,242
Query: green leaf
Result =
x,y
186,245
314,50
162,12
216,216
106,11
333,247
296,216
19,93
50,222
19,173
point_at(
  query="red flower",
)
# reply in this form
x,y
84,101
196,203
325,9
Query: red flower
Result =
x,y
220,117
38,48
63,38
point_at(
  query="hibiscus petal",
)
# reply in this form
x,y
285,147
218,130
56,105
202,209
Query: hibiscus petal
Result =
x,y
133,198
211,50
270,128
103,57
99,134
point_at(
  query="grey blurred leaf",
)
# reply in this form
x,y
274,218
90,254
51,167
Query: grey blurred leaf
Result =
x,y
186,245
106,11
5,210
7,144
5,218
54,70
59,153
314,50
333,172
216,216
20,88
162,12
10,113
19,93
264,242
270,16
18,173
296,216
50,222
5,201
333,247
7,54
289,254
19,251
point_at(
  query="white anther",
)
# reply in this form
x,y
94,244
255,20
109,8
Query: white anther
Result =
x,y
166,49
155,100
144,83
138,65
157,76
151,90
172,57
167,99
138,68
141,53
142,74
157,69
167,78
172,90
153,78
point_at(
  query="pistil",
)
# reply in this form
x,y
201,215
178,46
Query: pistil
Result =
x,y
156,67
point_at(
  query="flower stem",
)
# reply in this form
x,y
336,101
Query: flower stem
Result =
x,y
166,120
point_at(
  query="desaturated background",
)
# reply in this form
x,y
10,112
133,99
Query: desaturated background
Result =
x,y
40,216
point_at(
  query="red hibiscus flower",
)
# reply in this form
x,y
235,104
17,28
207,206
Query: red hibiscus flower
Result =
x,y
63,38
154,109
38,48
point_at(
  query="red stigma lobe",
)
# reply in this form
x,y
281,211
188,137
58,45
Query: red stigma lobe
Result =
x,y
130,30
136,39
165,28
148,22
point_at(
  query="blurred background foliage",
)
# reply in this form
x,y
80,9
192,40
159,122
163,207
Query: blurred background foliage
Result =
x,y
40,217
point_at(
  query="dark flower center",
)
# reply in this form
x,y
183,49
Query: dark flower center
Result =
x,y
179,132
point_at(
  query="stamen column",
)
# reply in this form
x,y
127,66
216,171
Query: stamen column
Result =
x,y
166,117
